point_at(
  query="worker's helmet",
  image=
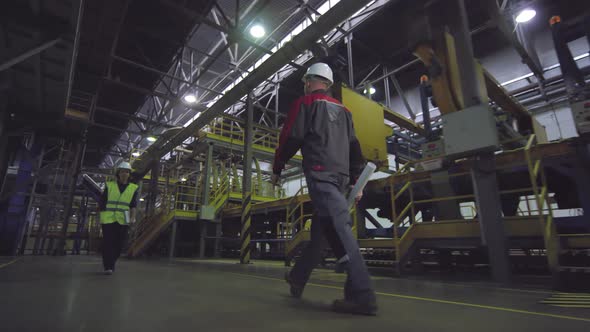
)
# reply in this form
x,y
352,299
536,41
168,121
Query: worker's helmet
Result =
x,y
123,165
321,70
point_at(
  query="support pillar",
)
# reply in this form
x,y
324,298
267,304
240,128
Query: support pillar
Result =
x,y
153,193
11,231
30,213
217,250
425,94
386,88
348,40
202,238
207,175
277,88
483,173
207,171
246,220
172,239
75,171
3,148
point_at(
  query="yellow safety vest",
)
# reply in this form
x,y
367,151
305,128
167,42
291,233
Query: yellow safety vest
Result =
x,y
117,207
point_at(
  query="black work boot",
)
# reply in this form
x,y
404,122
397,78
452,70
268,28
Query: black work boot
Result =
x,y
296,290
350,307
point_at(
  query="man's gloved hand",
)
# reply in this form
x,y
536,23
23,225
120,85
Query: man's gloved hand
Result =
x,y
274,179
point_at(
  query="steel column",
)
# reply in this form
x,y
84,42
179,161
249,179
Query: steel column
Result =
x,y
202,238
483,173
75,171
246,220
29,223
14,217
572,76
153,191
207,172
387,89
424,101
277,88
348,41
401,94
172,240
217,248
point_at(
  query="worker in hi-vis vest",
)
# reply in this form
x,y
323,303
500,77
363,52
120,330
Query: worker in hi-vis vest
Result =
x,y
117,210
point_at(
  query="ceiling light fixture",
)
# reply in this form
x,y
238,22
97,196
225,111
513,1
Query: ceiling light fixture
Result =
x,y
525,15
371,91
190,98
257,31
151,139
136,154
183,179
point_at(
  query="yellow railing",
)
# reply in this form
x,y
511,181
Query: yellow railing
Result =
x,y
293,219
538,188
186,197
234,129
219,195
541,193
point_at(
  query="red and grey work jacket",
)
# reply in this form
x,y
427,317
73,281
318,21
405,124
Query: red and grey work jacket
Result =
x,y
322,128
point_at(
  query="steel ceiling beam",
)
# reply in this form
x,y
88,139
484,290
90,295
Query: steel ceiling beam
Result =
x,y
502,25
132,117
17,57
308,37
258,6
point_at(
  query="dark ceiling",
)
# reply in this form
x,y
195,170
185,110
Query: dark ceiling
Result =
x,y
130,30
36,51
152,32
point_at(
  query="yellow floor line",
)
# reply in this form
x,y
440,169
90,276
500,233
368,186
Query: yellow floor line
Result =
x,y
566,301
519,290
515,290
11,262
426,299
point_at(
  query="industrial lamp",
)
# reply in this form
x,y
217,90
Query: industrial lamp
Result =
x,y
190,98
257,30
525,15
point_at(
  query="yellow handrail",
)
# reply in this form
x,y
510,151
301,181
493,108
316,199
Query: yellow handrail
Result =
x,y
404,188
550,236
402,214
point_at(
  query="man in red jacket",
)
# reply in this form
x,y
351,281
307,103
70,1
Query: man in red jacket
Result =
x,y
322,128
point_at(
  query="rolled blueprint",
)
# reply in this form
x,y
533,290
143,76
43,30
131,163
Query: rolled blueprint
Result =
x,y
361,182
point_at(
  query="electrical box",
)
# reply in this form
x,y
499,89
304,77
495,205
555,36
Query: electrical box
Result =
x,y
433,149
207,212
433,154
469,131
581,113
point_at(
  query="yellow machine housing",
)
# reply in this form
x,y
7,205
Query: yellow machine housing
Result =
x,y
369,125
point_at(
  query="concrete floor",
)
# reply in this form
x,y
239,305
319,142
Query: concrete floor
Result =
x,y
70,294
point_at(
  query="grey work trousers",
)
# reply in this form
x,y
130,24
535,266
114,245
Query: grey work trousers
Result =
x,y
332,219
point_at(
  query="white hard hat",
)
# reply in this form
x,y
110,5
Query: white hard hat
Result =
x,y
319,69
124,165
